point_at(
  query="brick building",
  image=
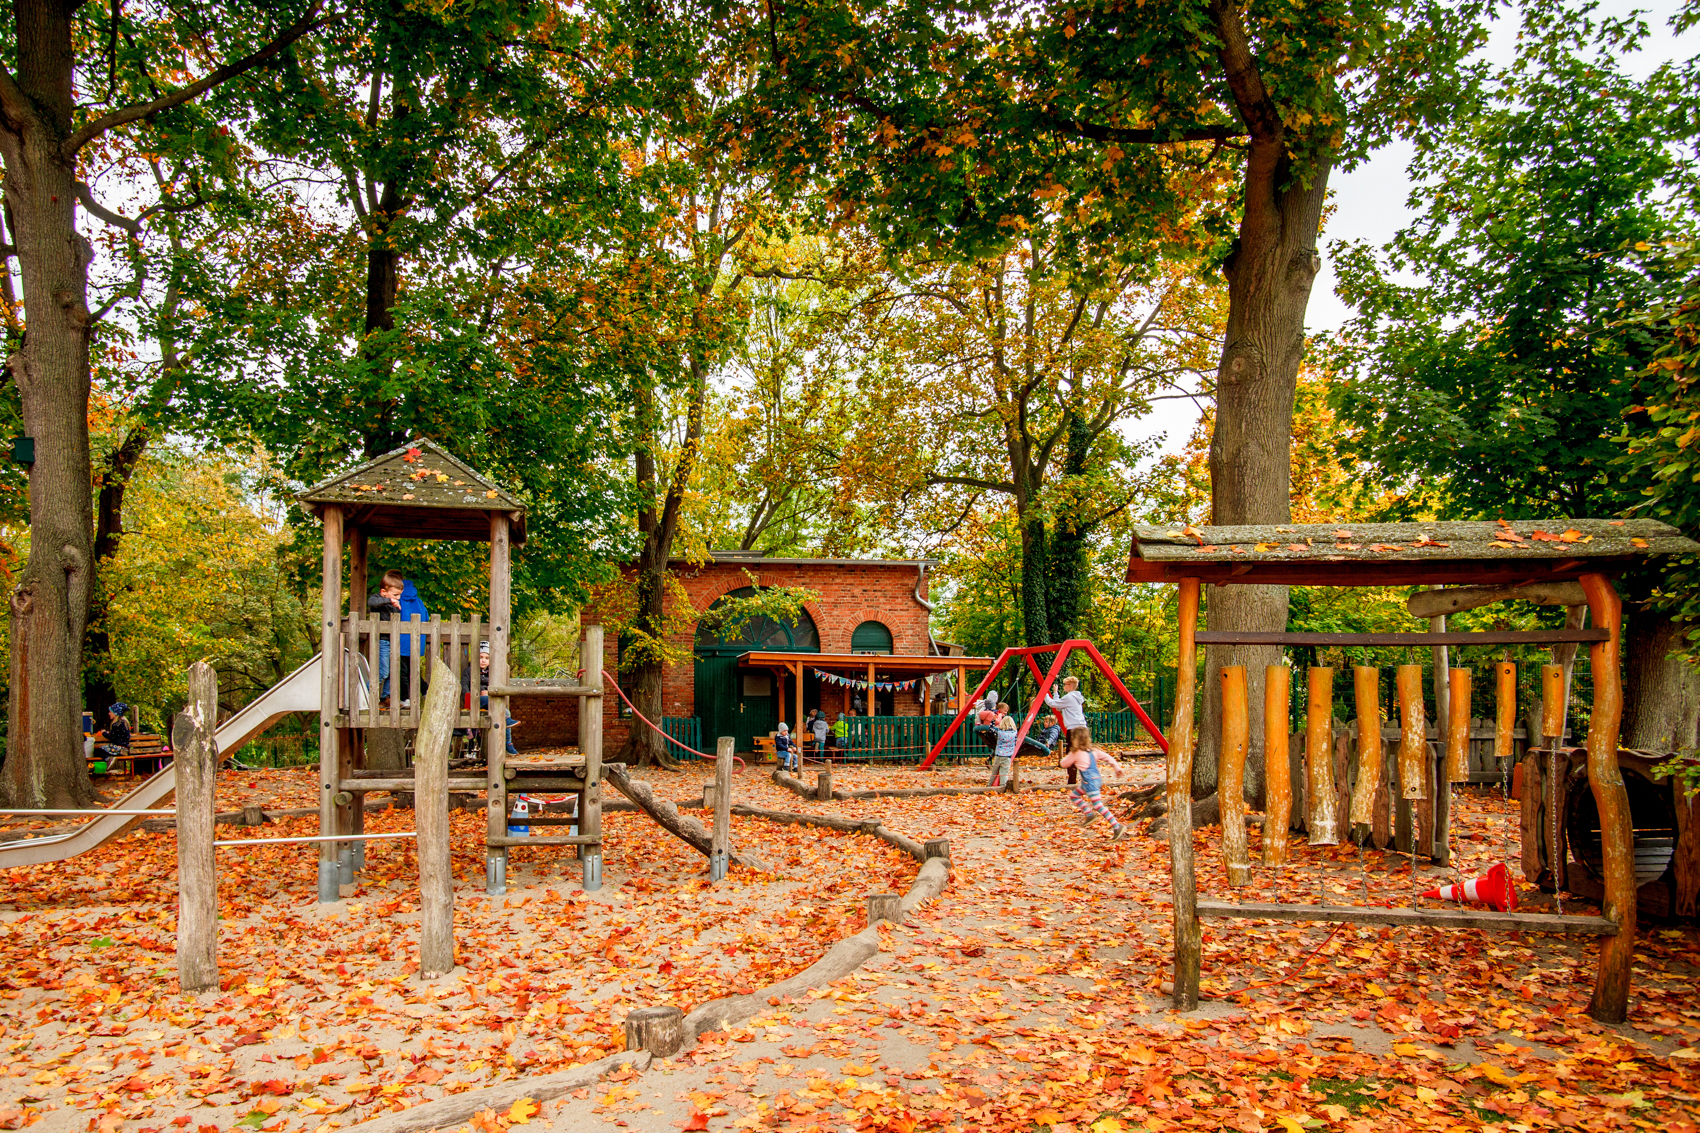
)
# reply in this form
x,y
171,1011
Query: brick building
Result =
x,y
869,625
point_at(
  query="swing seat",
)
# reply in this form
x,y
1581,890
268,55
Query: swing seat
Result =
x,y
1434,918
988,736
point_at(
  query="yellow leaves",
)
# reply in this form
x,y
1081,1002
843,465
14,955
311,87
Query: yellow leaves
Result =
x,y
1108,1125
1293,1123
1335,1112
1266,547
491,494
520,1113
1376,990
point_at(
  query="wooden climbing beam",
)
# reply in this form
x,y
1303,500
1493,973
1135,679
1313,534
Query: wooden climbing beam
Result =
x,y
1433,918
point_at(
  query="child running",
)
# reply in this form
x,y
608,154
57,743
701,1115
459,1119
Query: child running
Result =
x,y
1088,794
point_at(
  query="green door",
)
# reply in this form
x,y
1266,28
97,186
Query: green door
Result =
x,y
757,713
717,697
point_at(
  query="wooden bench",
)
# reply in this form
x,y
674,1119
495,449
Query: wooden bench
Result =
x,y
152,748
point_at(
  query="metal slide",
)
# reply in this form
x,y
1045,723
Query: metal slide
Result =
x,y
298,692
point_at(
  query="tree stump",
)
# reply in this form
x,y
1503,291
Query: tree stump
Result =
x,y
936,848
823,786
884,907
254,816
658,1030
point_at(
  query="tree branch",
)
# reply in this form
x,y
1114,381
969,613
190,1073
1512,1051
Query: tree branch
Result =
x,y
973,482
105,122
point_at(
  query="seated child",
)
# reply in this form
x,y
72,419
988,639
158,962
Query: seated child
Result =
x,y
785,747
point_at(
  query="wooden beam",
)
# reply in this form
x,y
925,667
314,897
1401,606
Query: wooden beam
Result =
x,y
1423,640
1434,918
330,669
1610,1002
1189,937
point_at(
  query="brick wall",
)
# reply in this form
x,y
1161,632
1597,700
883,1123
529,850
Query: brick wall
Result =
x,y
850,593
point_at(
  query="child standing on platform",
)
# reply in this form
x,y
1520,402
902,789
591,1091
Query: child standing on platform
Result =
x,y
1087,796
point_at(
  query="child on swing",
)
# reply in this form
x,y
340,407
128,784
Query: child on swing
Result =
x,y
1088,794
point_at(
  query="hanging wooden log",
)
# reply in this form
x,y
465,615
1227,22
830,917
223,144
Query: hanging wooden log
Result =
x,y
1413,733
1320,793
1552,705
1278,786
1505,719
1367,682
1458,727
1236,733
1189,936
1610,1002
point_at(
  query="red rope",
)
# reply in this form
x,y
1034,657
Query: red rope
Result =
x,y
615,684
1299,967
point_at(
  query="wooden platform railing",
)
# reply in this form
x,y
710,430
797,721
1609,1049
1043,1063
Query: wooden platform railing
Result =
x,y
436,650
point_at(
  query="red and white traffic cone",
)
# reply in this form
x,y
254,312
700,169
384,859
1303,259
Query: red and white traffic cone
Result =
x,y
1493,889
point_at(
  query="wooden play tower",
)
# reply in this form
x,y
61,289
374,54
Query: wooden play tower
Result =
x,y
420,491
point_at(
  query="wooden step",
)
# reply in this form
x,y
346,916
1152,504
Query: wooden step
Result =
x,y
548,840
522,783
1434,918
404,785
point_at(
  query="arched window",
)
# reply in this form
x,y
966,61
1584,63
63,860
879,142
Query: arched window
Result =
x,y
762,633
871,637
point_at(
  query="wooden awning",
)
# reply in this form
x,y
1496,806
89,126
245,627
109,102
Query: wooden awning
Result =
x,y
417,491
1401,554
856,664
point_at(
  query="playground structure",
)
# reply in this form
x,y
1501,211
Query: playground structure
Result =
x,y
1045,679
420,491
1511,560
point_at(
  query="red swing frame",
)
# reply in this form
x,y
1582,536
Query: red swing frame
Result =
x,y
1045,679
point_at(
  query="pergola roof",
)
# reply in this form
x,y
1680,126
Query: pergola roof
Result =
x,y
418,491
1400,554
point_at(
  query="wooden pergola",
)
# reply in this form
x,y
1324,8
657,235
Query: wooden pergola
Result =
x,y
789,667
421,491
1503,556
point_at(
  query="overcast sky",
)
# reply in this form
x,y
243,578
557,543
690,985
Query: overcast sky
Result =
x,y
1372,200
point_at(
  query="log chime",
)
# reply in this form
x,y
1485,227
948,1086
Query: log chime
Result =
x,y
1322,819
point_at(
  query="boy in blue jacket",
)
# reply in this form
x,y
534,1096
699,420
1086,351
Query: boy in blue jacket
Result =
x,y
396,598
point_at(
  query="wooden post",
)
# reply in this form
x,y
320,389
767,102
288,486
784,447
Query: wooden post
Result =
x,y
1505,712
1413,733
823,785
935,848
1553,683
196,765
1610,1003
591,656
708,796
797,718
1367,684
1230,788
496,736
431,821
357,571
884,907
331,662
658,1030
720,844
1441,825
1322,825
1189,938
1278,786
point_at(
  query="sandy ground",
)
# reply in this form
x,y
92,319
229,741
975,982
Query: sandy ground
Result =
x,y
1025,998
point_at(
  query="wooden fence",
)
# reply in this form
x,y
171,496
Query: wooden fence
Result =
x,y
436,649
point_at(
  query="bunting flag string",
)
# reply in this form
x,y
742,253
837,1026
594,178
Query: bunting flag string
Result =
x,y
851,682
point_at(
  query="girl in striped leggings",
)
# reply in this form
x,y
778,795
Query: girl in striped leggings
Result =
x,y
1088,794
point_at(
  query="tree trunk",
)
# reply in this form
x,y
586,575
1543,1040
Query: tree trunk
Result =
x,y
1035,621
98,687
49,607
1068,570
1269,274
1662,709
